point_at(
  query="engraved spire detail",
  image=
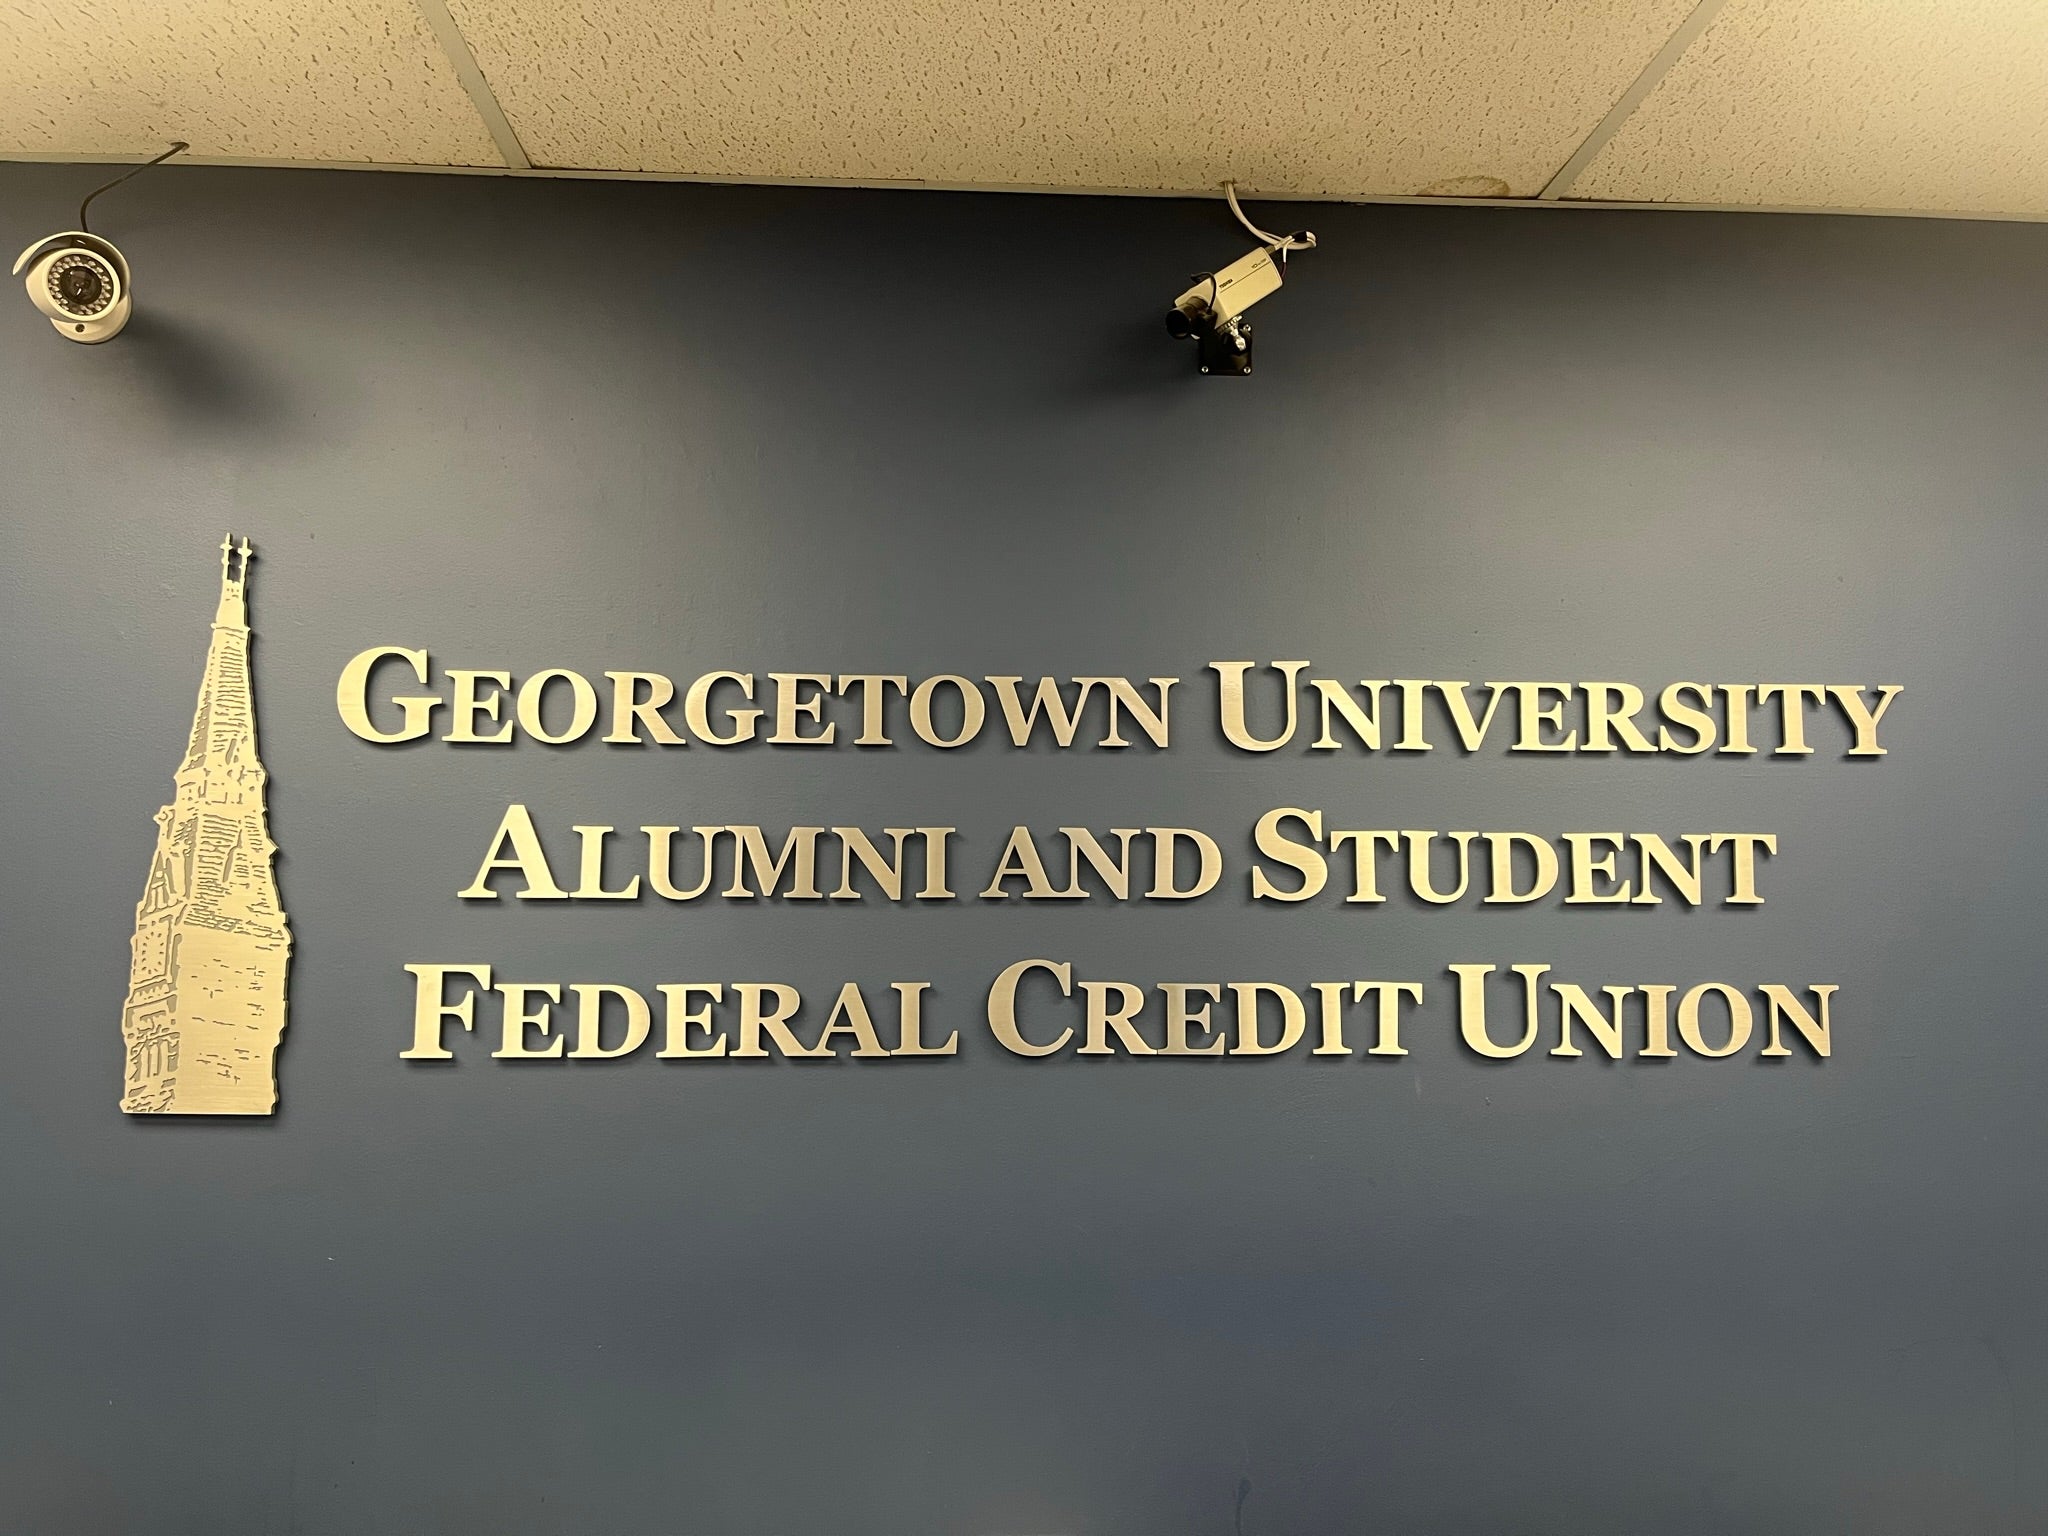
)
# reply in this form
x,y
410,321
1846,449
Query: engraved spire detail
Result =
x,y
206,992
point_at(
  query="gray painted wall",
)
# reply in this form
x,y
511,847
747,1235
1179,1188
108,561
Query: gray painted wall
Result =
x,y
919,433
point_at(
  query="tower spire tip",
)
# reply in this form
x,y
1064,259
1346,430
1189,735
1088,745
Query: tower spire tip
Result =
x,y
232,579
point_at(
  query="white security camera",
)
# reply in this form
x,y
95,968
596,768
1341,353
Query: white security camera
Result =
x,y
1212,311
81,282
80,279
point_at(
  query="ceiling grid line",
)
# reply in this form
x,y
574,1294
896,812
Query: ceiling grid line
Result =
x,y
1675,46
436,15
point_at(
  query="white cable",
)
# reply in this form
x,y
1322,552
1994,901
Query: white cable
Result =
x,y
1300,240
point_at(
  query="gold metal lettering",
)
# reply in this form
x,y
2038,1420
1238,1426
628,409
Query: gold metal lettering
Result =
x,y
1047,702
352,696
1166,863
1544,878
468,705
972,711
521,1014
1740,1019
431,1009
1792,699
910,1023
1472,1011
582,707
697,710
1230,704
874,693
1471,732
1273,844
791,705
1363,723
1293,1018
1784,1004
756,1019
1180,1018
1863,717
1124,698
1420,880
1002,1006
1588,871
1614,706
590,996
1574,1003
850,1016
1020,861
678,1019
516,846
1103,1017
1672,706
630,711
1537,717
590,873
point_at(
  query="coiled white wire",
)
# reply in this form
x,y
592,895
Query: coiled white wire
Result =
x,y
1300,240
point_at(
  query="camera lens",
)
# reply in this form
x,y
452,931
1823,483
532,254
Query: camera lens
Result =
x,y
81,284
1180,323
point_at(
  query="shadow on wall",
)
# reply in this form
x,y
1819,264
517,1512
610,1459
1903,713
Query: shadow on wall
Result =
x,y
1137,359
204,385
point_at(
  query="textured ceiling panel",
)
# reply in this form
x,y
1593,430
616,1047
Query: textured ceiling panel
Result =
x,y
286,79
1928,104
1320,97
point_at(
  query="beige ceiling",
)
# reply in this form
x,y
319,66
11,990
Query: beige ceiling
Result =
x,y
1319,96
255,79
1934,104
1927,105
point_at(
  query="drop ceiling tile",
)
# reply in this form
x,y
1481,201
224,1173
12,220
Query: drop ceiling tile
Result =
x,y
1318,97
284,79
1929,104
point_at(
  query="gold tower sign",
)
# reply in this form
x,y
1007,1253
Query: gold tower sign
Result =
x,y
206,979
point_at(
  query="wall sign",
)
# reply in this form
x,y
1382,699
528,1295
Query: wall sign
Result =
x,y
207,986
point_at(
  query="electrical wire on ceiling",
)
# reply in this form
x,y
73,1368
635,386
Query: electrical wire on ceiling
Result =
x,y
1300,240
178,148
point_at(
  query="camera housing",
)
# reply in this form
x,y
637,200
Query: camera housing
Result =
x,y
1212,312
80,281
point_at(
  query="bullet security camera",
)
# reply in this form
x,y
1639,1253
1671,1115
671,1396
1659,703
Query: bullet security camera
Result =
x,y
1212,312
81,282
